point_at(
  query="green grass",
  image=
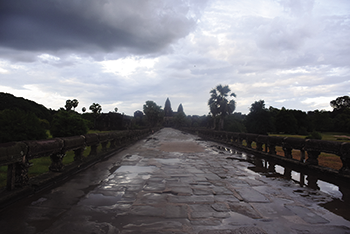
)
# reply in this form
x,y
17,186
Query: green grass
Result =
x,y
41,165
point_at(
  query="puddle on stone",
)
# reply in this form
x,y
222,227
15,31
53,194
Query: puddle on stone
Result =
x,y
337,190
131,172
170,161
97,199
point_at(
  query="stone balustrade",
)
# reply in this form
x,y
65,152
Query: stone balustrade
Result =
x,y
313,148
17,155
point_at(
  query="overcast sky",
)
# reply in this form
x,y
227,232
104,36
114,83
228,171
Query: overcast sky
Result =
x,y
291,53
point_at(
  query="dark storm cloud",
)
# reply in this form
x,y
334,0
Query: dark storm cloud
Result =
x,y
90,26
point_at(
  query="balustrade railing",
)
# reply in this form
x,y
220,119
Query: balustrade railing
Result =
x,y
310,147
17,155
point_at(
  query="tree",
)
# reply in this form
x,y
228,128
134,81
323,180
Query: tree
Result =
x,y
220,105
153,113
74,103
8,101
83,109
340,103
95,108
286,122
68,105
259,120
138,117
18,125
68,123
116,109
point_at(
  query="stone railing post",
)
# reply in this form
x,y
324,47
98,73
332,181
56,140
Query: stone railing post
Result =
x,y
296,144
77,144
273,142
312,157
287,149
345,158
56,162
260,141
311,147
92,141
271,167
14,155
78,155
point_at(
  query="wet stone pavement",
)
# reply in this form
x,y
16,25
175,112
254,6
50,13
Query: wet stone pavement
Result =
x,y
173,183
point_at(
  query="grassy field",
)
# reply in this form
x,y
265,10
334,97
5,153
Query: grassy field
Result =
x,y
326,160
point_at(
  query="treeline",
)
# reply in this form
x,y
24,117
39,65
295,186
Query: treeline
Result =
x,y
262,120
23,119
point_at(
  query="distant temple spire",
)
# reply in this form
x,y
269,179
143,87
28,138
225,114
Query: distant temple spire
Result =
x,y
180,109
168,112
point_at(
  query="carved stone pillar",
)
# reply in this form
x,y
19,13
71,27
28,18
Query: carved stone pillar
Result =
x,y
113,144
78,155
259,146
312,158
249,143
287,151
312,182
271,167
345,158
11,176
302,155
17,175
104,145
272,149
93,150
56,162
287,173
21,174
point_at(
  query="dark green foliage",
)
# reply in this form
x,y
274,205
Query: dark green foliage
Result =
x,y
314,135
341,103
219,105
180,119
89,119
259,120
95,108
321,121
286,122
68,123
341,121
17,125
153,112
8,101
138,120
196,121
234,123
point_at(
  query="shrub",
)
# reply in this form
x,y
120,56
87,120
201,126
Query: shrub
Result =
x,y
68,123
17,125
314,135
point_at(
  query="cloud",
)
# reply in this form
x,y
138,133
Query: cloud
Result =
x,y
90,26
123,53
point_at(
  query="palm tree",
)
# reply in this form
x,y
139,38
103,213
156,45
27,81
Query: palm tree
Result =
x,y
220,105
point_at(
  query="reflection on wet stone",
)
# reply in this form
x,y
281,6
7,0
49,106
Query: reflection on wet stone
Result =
x,y
199,189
